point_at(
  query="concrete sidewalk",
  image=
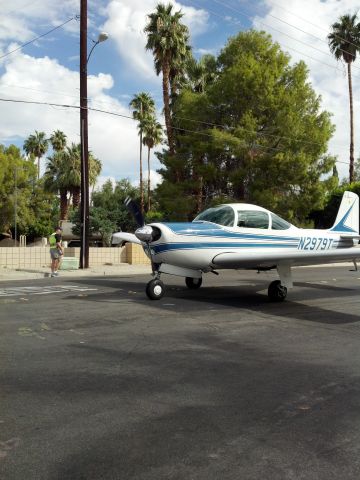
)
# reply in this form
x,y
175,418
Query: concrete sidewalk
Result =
x,y
7,274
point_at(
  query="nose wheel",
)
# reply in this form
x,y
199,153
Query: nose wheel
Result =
x,y
276,291
155,289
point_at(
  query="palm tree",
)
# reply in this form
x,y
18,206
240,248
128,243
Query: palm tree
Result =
x,y
152,136
143,106
58,140
55,180
72,156
36,145
200,73
344,41
168,39
63,175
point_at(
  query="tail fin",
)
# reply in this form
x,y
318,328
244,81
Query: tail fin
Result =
x,y
347,220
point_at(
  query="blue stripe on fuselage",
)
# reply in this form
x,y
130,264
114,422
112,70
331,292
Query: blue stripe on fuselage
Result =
x,y
165,247
212,230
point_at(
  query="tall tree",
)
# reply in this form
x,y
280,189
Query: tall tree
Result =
x,y
55,181
63,174
200,73
167,38
37,145
152,136
58,140
143,106
257,134
344,41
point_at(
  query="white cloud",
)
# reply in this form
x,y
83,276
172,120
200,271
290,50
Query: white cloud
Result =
x,y
125,24
20,17
112,139
309,21
155,178
102,179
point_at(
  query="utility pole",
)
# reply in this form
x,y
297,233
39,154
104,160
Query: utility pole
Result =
x,y
84,249
15,207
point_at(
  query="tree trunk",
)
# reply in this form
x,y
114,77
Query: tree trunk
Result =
x,y
200,194
351,166
38,165
166,96
76,196
63,205
148,181
141,178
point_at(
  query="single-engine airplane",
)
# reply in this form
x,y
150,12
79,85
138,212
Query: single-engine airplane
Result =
x,y
243,236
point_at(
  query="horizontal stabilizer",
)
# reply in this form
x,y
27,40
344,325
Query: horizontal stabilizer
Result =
x,y
349,236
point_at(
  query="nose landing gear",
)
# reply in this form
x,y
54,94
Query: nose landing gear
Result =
x,y
155,289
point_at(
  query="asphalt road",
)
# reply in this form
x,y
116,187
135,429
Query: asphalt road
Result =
x,y
97,382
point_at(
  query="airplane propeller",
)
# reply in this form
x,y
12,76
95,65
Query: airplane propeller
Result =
x,y
135,211
145,233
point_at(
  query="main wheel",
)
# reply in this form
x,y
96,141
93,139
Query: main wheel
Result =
x,y
193,283
155,289
276,291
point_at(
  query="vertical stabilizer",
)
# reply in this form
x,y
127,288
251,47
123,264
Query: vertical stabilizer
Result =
x,y
347,220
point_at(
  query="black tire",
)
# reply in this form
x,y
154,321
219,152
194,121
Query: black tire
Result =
x,y
193,283
276,291
155,289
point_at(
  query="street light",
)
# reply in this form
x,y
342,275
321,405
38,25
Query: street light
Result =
x,y
101,38
84,205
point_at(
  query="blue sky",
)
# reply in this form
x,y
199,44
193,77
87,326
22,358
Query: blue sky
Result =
x,y
47,70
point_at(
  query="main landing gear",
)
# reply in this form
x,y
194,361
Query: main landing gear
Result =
x,y
276,291
155,289
193,283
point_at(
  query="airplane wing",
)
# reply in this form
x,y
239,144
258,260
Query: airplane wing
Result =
x,y
270,259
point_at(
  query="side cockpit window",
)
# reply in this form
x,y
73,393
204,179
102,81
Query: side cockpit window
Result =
x,y
278,223
253,219
222,215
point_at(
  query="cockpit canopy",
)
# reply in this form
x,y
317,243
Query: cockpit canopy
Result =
x,y
244,216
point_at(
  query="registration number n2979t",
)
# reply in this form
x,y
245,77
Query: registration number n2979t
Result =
x,y
315,243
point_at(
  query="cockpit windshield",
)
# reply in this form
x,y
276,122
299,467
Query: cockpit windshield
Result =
x,y
278,223
222,215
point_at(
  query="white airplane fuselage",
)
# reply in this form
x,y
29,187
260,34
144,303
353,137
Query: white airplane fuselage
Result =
x,y
196,244
245,236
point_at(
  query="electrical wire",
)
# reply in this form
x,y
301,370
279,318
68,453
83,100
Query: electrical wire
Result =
x,y
77,107
279,31
310,23
295,27
39,36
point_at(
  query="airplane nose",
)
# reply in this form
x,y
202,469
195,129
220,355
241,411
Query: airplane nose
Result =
x,y
148,233
144,234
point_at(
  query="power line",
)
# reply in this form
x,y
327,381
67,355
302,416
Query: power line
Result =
x,y
279,31
16,10
40,36
96,102
33,102
310,23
